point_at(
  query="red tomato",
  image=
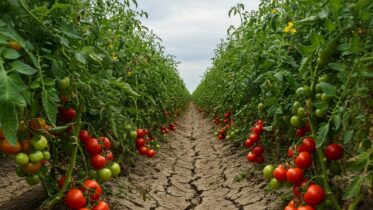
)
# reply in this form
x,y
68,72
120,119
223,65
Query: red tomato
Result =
x,y
254,137
258,129
140,142
143,150
84,136
146,131
61,182
93,147
295,175
222,131
259,122
98,161
289,207
251,157
309,145
94,189
248,143
333,152
109,156
75,199
105,141
84,209
300,132
280,173
150,153
258,150
101,205
221,137
226,121
68,114
226,115
314,195
259,160
290,152
140,133
304,160
305,208
7,148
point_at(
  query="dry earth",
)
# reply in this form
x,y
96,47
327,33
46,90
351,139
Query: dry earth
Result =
x,y
193,170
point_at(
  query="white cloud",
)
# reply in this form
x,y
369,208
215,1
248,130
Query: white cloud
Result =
x,y
190,30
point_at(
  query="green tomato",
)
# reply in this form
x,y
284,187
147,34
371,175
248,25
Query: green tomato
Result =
x,y
300,92
36,156
307,91
22,159
105,174
63,84
115,169
318,88
20,172
216,134
275,184
296,105
228,137
320,113
324,78
328,203
128,128
92,174
325,98
46,155
268,171
157,146
39,142
261,107
296,121
133,135
301,112
32,179
318,96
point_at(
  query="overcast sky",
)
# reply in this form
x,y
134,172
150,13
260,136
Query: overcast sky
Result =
x,y
191,29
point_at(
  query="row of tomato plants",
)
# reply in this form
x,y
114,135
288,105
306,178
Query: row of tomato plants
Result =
x,y
85,88
301,70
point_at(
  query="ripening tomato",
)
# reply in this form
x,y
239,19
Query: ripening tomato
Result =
x,y
309,145
251,157
37,123
314,195
305,208
14,45
105,141
93,147
150,153
258,150
333,151
140,142
289,207
254,137
7,148
221,137
280,173
295,175
227,115
101,205
31,168
94,189
303,160
98,161
84,136
109,156
75,199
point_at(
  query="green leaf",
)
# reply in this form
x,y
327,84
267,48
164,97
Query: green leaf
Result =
x,y
328,89
11,87
348,136
367,74
354,188
9,121
23,68
337,66
80,57
10,54
335,5
337,120
322,134
49,99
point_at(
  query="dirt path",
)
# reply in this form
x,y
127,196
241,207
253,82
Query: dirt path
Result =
x,y
193,171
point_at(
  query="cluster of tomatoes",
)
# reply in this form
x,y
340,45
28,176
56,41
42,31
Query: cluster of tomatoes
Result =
x,y
256,153
100,156
31,153
88,195
142,142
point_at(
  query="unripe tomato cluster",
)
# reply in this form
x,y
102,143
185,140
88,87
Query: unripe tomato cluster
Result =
x,y
31,154
101,158
256,153
85,197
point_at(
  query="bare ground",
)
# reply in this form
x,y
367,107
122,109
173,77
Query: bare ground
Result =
x,y
193,171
